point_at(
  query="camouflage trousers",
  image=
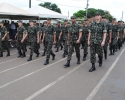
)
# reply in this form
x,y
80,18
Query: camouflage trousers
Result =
x,y
48,49
95,49
65,45
73,45
120,43
105,48
33,46
113,44
4,45
21,46
85,46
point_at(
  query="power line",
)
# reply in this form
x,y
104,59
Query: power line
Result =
x,y
63,5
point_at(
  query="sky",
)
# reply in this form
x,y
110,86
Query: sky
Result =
x,y
115,7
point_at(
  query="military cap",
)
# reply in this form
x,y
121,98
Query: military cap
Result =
x,y
97,13
45,22
120,21
103,16
34,21
86,19
73,17
65,20
114,19
48,18
2,22
19,21
31,21
58,22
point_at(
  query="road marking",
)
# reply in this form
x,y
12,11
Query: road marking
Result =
x,y
54,82
93,93
31,73
21,65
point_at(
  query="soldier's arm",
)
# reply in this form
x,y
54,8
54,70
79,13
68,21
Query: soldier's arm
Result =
x,y
54,32
80,33
117,33
5,30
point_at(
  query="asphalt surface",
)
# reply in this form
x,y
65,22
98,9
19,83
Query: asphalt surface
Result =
x,y
22,80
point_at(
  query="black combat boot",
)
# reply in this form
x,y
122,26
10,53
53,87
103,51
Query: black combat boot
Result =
x,y
44,53
1,54
8,54
113,52
37,54
92,68
30,58
67,64
100,61
64,54
84,57
20,54
78,61
53,56
46,62
61,47
57,50
23,55
110,53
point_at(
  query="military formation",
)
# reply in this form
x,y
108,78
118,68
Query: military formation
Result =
x,y
98,34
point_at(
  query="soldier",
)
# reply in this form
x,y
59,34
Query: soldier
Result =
x,y
21,31
43,31
96,40
33,37
59,39
49,36
108,37
113,44
4,40
84,39
64,35
74,36
120,34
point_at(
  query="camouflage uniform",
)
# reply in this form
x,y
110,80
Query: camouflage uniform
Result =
x,y
96,30
113,43
50,30
121,32
84,39
32,37
21,46
4,43
74,30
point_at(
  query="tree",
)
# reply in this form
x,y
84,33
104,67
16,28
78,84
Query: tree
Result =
x,y
80,14
51,6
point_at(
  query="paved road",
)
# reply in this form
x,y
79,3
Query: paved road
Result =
x,y
22,80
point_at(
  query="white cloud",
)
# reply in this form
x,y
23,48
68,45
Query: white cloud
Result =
x,y
115,7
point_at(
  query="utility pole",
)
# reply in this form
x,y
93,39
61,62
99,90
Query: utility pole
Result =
x,y
29,3
122,15
87,8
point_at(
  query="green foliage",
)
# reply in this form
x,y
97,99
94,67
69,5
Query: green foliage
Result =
x,y
80,14
51,6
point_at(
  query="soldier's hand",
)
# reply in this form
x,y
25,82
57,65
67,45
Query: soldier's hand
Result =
x,y
54,42
22,40
2,39
102,44
42,41
78,41
37,42
109,41
67,42
88,43
15,37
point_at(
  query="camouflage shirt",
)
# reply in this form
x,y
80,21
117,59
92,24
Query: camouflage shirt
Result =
x,y
58,30
65,31
32,33
50,31
3,31
121,31
85,32
114,30
97,30
20,30
74,30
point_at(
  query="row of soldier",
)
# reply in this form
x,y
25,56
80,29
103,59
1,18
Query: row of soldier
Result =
x,y
96,34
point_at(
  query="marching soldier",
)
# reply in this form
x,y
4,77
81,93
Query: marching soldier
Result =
x,y
120,34
108,37
84,39
96,40
21,31
3,40
113,44
49,36
33,37
64,35
59,39
74,36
